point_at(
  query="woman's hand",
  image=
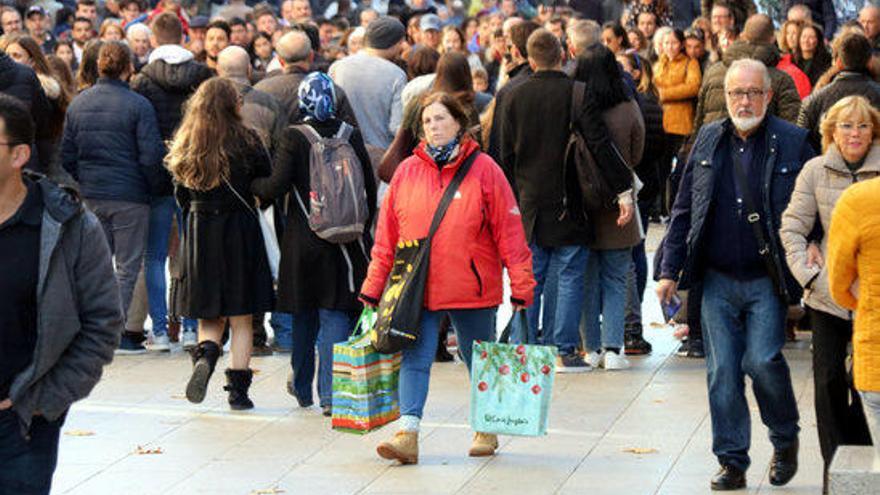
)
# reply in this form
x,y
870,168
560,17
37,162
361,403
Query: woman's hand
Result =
x,y
814,256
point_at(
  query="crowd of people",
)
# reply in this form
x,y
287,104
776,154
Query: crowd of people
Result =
x,y
170,128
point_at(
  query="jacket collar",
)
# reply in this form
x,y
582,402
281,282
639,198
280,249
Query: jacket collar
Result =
x,y
521,68
549,74
112,82
836,162
467,146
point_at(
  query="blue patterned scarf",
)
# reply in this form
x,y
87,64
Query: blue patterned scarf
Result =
x,y
442,154
317,97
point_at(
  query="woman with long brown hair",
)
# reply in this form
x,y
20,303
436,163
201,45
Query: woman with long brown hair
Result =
x,y
24,50
213,159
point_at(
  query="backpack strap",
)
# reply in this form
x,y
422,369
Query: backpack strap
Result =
x,y
344,132
309,132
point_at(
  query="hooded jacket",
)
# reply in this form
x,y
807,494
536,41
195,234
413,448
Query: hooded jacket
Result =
x,y
818,187
80,311
481,234
711,103
21,82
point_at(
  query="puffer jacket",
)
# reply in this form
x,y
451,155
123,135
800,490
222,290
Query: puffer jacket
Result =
x,y
801,81
111,144
627,129
481,234
846,83
80,312
818,187
712,105
648,168
678,81
854,258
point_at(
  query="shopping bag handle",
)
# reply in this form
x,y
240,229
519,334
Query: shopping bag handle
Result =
x,y
508,329
366,315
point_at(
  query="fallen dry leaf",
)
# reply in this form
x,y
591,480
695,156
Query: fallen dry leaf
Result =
x,y
178,397
659,401
79,433
147,451
655,324
640,450
267,491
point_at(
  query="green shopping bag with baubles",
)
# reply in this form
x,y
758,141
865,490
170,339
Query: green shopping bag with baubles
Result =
x,y
511,386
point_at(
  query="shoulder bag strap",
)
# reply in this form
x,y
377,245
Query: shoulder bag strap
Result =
x,y
449,193
753,217
309,132
245,203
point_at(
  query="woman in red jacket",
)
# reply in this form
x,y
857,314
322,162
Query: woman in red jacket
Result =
x,y
481,233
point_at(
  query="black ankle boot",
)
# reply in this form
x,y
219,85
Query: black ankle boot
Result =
x,y
237,384
204,358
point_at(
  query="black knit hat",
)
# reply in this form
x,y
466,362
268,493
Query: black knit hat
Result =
x,y
384,32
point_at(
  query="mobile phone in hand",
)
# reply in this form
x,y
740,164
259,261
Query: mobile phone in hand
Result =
x,y
670,308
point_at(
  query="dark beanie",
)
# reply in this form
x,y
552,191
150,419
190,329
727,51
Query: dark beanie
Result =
x,y
384,32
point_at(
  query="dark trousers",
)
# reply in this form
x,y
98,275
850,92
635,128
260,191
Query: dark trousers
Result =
x,y
840,418
694,311
26,465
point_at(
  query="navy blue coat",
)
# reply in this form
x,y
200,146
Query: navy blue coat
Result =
x,y
787,151
111,144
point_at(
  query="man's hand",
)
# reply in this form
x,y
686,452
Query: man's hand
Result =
x,y
666,288
814,256
6,404
627,210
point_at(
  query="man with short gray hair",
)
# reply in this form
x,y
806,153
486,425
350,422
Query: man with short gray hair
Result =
x,y
724,231
294,51
582,35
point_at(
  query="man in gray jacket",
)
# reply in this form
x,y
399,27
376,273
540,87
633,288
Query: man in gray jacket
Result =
x,y
60,314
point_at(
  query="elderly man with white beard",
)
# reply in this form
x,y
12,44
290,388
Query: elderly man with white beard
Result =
x,y
725,231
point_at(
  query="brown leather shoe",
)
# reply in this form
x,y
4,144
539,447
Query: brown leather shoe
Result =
x,y
403,447
484,444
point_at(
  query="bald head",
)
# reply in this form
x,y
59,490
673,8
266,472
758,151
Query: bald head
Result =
x,y
869,18
233,61
759,29
294,47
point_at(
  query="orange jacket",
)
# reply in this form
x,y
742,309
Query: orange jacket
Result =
x,y
854,258
481,232
678,82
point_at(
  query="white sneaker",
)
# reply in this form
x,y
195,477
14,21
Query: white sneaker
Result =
x,y
594,359
160,344
189,339
614,361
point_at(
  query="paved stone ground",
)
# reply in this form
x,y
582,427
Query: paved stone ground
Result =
x,y
597,422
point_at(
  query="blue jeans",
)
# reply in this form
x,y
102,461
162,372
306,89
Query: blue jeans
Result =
x,y
26,466
162,210
415,367
568,264
743,333
282,325
321,328
605,295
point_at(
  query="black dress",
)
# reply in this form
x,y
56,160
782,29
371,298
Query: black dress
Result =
x,y
314,273
225,270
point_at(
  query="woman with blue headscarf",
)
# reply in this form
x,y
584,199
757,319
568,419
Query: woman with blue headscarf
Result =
x,y
318,280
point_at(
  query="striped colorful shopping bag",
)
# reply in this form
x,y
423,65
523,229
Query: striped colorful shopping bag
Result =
x,y
364,382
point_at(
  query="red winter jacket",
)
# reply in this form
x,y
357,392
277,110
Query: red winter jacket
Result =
x,y
801,81
481,232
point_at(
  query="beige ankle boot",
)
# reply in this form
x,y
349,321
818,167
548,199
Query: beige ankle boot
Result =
x,y
484,444
404,447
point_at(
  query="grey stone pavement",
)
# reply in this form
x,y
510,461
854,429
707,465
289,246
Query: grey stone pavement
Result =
x,y
645,430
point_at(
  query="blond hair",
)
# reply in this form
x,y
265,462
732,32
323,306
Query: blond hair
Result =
x,y
854,106
209,134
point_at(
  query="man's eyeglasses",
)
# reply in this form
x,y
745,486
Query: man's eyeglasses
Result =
x,y
751,94
849,126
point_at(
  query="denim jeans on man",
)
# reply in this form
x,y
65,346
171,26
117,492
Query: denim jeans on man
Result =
x,y
743,333
568,264
605,295
282,326
26,465
125,225
321,328
415,366
871,403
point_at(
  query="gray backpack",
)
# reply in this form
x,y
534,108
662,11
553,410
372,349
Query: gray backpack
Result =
x,y
337,209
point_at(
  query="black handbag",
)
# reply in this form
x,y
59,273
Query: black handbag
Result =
x,y
400,309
